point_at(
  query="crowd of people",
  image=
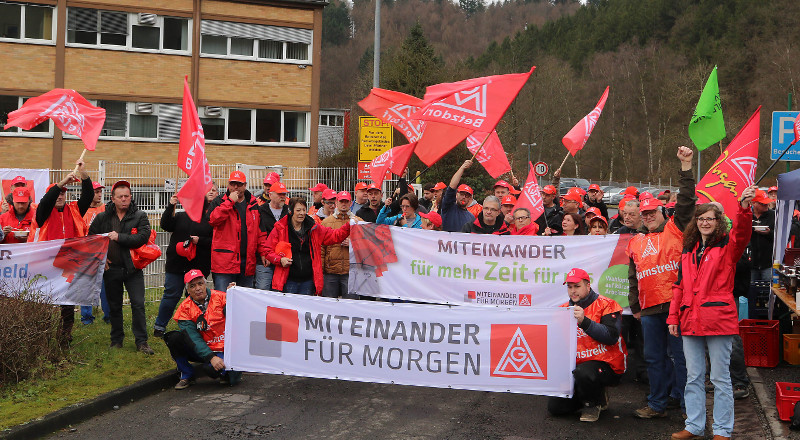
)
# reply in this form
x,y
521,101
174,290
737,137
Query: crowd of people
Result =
x,y
274,242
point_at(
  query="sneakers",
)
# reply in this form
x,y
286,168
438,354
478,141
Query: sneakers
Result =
x,y
183,384
685,435
158,333
741,392
115,345
144,348
649,413
590,413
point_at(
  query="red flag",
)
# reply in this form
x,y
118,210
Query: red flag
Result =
x,y
531,196
491,156
395,159
577,137
438,139
474,104
69,111
734,170
796,129
395,109
192,158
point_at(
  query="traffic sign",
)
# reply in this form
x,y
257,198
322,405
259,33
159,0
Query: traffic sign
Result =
x,y
783,135
374,138
541,169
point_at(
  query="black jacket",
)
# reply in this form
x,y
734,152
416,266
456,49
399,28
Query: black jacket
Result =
x,y
134,218
268,219
182,227
761,244
368,214
48,201
601,205
554,217
479,227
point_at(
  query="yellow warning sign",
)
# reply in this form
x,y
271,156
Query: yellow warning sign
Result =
x,y
374,138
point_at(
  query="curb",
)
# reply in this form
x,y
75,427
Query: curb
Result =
x,y
84,410
778,429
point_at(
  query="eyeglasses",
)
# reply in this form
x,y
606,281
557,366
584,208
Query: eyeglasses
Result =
x,y
491,209
649,213
525,217
706,219
405,206
329,202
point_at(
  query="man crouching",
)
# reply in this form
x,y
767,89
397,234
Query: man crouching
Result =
x,y
201,319
601,352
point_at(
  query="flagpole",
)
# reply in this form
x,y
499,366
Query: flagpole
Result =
x,y
564,161
472,158
774,163
79,159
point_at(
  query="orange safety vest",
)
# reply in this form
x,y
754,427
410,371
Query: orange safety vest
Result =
x,y
91,213
39,232
657,256
589,349
215,334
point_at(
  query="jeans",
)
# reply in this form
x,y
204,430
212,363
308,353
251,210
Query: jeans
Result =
x,y
104,303
666,365
182,352
300,287
221,280
115,278
173,291
761,274
591,380
86,315
719,351
336,286
263,278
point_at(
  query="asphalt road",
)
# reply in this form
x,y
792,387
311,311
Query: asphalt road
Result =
x,y
286,407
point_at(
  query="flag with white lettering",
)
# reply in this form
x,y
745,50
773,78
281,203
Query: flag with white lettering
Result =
x,y
531,196
192,159
395,109
492,155
577,137
394,160
529,351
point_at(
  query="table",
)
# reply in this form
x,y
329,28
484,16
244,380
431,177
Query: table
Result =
x,y
787,299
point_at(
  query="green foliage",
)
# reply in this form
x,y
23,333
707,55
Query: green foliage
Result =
x,y
471,7
335,24
412,67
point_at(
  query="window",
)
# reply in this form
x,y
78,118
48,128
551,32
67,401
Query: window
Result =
x,y
26,22
239,125
116,118
242,46
215,45
7,105
297,51
144,126
331,120
259,126
145,32
255,41
294,127
270,49
213,128
268,125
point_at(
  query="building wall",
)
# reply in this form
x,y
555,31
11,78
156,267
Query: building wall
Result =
x,y
184,6
27,66
27,152
254,82
260,11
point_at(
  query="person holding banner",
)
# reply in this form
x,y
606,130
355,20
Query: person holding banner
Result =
x,y
97,206
17,221
489,220
128,228
522,224
369,212
601,352
201,338
598,225
56,219
654,259
271,212
408,217
294,247
336,257
704,313
455,200
553,214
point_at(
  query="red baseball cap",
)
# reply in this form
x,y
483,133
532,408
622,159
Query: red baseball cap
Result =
x,y
650,204
625,200
599,217
372,187
21,194
121,183
549,189
237,176
343,195
186,249
464,188
761,197
594,211
645,195
665,192
631,190
272,178
434,218
411,189
595,187
18,180
574,196
509,200
97,185
318,187
670,205
360,186
439,186
278,187
772,188
504,184
328,194
192,274
575,275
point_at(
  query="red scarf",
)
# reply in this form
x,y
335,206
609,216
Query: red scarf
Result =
x,y
60,224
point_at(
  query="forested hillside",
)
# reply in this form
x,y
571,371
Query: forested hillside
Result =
x,y
655,54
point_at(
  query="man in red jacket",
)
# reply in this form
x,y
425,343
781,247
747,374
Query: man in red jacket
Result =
x,y
16,222
235,219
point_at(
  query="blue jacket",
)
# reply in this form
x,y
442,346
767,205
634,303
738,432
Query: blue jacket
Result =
x,y
453,217
383,220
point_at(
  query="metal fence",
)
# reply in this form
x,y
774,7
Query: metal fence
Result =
x,y
152,185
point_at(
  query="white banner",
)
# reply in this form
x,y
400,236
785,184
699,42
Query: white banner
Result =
x,y
37,180
454,268
67,272
530,351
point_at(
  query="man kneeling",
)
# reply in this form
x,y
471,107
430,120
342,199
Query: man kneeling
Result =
x,y
601,352
201,319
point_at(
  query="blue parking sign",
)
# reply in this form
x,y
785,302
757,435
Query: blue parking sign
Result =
x,y
783,135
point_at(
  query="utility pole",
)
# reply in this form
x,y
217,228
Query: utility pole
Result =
x,y
376,55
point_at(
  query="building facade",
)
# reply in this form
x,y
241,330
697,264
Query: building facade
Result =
x,y
332,134
252,66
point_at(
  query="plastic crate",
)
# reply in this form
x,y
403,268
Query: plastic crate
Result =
x,y
786,395
758,297
791,348
761,339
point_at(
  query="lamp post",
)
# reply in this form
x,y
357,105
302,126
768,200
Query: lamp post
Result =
x,y
528,146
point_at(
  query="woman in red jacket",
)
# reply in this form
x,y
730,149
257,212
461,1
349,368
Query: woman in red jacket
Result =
x,y
703,311
294,246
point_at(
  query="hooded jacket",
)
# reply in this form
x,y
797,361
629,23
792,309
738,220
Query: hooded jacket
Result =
x,y
392,221
479,227
317,234
127,240
9,218
231,251
531,229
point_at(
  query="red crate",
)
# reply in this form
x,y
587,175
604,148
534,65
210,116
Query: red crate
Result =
x,y
786,395
761,339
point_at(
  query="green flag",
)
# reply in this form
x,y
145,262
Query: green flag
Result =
x,y
707,127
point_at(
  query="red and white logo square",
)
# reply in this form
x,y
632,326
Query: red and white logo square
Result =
x,y
525,299
282,324
471,294
512,354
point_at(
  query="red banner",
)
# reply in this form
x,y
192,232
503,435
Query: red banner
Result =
x,y
577,137
192,159
531,196
395,109
491,156
394,160
69,111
